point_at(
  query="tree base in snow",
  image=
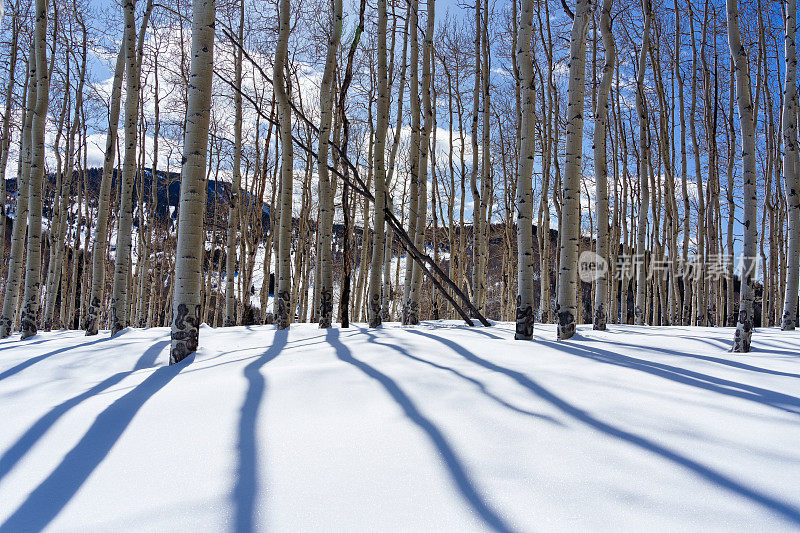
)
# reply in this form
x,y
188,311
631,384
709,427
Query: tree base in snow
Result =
x,y
600,318
743,335
565,329
410,313
185,333
524,329
27,327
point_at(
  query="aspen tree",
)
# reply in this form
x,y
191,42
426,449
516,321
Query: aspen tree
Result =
x,y
19,229
566,309
120,297
601,166
410,305
790,170
33,267
100,239
376,268
6,140
424,156
233,208
730,316
284,281
324,273
744,325
524,199
486,164
60,234
191,236
644,192
685,312
478,275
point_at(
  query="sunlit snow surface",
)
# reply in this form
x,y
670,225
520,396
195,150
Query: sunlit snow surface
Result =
x,y
432,428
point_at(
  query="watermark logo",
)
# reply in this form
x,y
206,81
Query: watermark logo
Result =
x,y
591,266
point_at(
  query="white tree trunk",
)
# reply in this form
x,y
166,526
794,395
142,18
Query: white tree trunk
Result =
x,y
644,168
19,229
525,293
566,309
58,240
744,325
601,167
101,229
5,144
33,267
283,314
191,234
122,263
233,209
376,267
424,156
790,171
326,210
410,305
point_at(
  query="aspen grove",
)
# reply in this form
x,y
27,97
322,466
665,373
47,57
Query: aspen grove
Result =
x,y
514,161
530,186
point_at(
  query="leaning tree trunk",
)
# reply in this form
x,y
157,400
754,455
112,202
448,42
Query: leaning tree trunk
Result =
x,y
601,168
744,326
644,165
791,178
101,229
569,233
326,209
191,236
376,267
233,209
284,283
33,266
19,229
525,293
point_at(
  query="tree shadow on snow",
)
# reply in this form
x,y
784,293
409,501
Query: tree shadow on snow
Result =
x,y
246,487
10,344
33,360
720,360
479,384
786,510
774,399
49,498
13,454
454,465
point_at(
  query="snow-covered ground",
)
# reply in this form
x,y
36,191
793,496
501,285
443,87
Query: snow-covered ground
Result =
x,y
433,428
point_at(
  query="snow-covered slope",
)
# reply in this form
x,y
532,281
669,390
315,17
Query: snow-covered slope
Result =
x,y
434,428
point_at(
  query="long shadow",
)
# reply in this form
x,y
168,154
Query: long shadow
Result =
x,y
49,498
479,384
786,510
712,359
776,400
17,451
246,488
454,465
33,360
19,344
